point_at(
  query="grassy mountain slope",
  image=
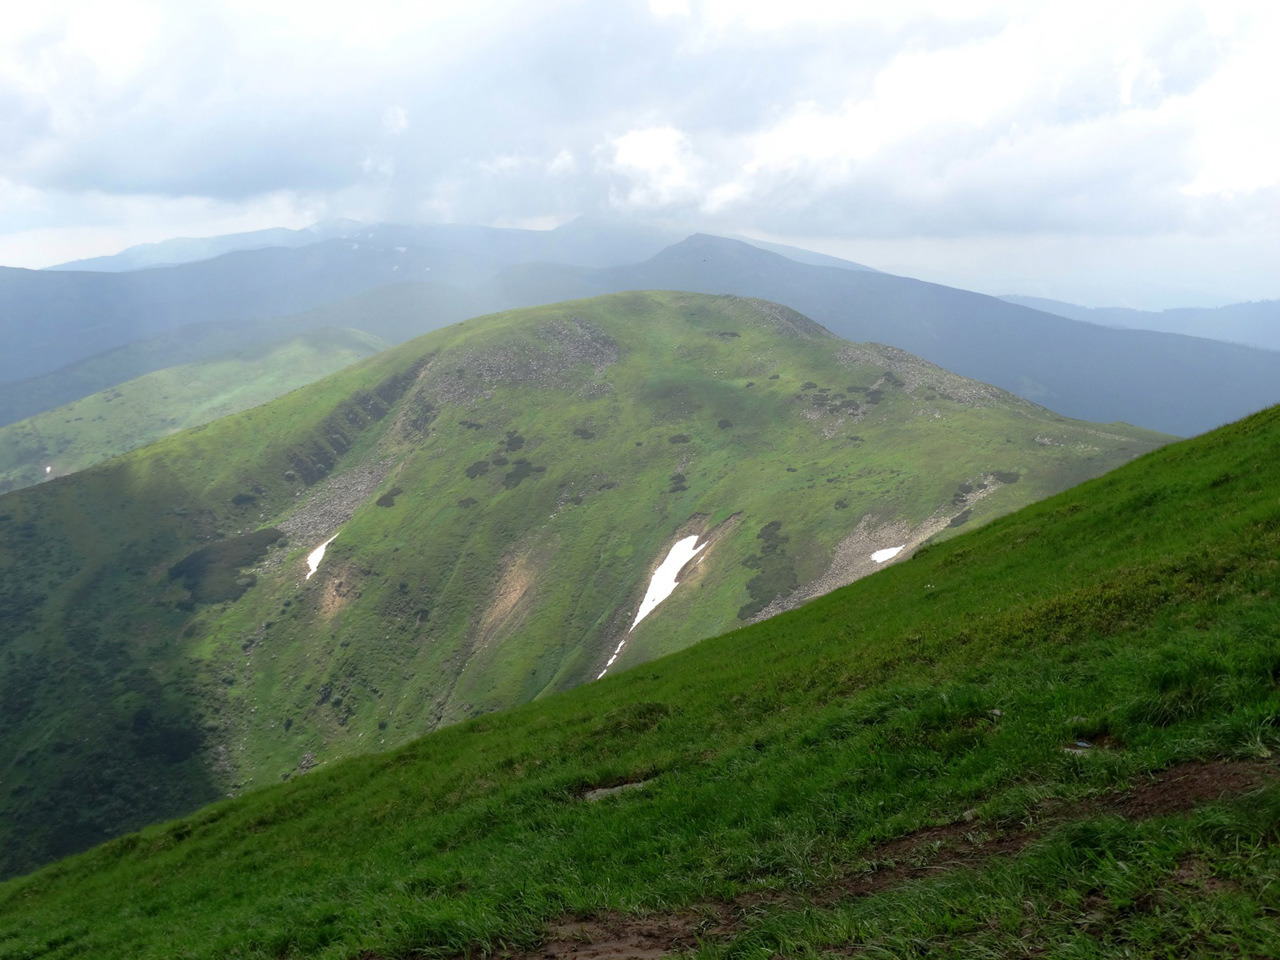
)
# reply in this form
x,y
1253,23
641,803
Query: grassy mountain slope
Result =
x,y
106,424
1054,735
501,492
1183,385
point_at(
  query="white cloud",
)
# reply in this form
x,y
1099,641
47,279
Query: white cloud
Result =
x,y
563,164
1237,112
395,120
922,118
669,8
657,166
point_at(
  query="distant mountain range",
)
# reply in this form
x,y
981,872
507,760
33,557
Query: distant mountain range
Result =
x,y
1256,324
54,321
167,253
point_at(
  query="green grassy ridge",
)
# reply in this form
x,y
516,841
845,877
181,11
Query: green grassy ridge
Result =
x,y
128,700
777,757
132,414
375,669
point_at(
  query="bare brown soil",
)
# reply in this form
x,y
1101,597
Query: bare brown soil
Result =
x,y
922,853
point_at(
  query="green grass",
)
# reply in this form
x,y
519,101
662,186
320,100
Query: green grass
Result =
x,y
131,695
779,758
129,415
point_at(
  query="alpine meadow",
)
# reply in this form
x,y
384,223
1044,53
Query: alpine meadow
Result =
x,y
661,480
495,497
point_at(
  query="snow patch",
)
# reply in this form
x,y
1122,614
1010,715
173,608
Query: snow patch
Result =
x,y
664,578
888,553
660,586
316,555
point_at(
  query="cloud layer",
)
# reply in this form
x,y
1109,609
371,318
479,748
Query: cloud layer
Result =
x,y
843,123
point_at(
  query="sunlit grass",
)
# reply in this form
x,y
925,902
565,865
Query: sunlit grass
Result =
x,y
776,758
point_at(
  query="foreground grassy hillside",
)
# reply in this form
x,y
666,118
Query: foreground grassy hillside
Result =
x,y
134,413
501,493
1053,736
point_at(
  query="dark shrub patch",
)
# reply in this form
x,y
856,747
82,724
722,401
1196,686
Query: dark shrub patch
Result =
x,y
725,424
211,573
388,499
514,441
471,424
842,505
960,518
679,438
808,385
477,469
1007,476
775,377
519,471
468,502
500,461
727,334
777,574
244,499
584,433
677,483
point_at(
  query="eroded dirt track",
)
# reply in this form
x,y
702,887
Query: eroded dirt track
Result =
x,y
925,852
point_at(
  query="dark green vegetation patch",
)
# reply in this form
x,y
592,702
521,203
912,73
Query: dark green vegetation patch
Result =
x,y
520,471
388,499
212,574
776,576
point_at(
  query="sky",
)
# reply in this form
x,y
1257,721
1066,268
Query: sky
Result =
x,y
1105,153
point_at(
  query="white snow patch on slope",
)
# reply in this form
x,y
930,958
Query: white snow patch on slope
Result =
x,y
664,578
880,556
316,555
660,586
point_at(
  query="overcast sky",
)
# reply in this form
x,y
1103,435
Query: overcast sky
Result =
x,y
1101,152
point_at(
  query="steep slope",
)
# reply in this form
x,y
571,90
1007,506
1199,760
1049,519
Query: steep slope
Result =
x,y
136,412
502,493
1182,385
1053,736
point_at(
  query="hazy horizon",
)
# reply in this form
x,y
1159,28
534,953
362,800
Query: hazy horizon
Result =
x,y
1102,155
